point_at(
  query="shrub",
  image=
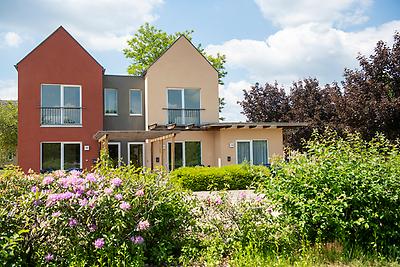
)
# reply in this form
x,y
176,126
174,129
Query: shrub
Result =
x,y
342,189
232,177
119,217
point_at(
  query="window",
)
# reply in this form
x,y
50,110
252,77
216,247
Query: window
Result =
x,y
186,154
135,102
114,151
110,101
136,154
184,106
61,156
252,151
61,104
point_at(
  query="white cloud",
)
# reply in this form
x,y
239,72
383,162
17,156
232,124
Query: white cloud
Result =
x,y
311,49
100,24
233,92
289,13
12,39
8,89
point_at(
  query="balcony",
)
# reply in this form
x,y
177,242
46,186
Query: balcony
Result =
x,y
184,116
61,116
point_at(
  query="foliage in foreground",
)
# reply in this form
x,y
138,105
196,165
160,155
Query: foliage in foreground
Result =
x,y
342,190
109,217
234,177
8,130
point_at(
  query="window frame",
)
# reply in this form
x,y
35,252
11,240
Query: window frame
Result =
x,y
143,151
251,149
116,102
183,152
62,152
141,103
119,151
183,100
61,105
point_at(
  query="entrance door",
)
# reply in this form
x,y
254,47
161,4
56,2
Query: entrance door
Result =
x,y
136,154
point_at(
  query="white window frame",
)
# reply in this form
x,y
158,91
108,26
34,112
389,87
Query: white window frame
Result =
x,y
183,100
141,103
119,151
251,149
143,150
116,100
61,151
61,104
183,152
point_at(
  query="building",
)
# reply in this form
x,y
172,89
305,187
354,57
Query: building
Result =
x,y
69,108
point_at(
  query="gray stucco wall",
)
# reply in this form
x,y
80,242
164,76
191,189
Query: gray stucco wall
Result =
x,y
123,83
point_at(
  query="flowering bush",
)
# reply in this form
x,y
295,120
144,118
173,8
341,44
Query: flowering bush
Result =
x,y
111,216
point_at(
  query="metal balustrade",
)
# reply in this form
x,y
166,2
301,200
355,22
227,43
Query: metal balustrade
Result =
x,y
61,116
184,116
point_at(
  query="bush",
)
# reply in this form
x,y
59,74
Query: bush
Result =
x,y
342,189
118,217
232,177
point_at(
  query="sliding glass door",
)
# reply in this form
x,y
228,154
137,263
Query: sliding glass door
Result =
x,y
252,151
136,154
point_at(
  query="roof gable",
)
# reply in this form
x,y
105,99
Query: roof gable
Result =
x,y
181,38
59,31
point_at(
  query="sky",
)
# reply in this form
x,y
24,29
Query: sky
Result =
x,y
263,40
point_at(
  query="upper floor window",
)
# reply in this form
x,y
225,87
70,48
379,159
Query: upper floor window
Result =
x,y
184,106
135,102
61,104
110,101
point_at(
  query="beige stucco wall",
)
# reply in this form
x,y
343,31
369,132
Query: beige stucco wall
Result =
x,y
216,144
181,66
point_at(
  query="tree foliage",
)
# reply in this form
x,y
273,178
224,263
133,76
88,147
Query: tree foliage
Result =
x,y
367,101
149,42
8,130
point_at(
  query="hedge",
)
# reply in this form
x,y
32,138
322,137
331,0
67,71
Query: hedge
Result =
x,y
234,177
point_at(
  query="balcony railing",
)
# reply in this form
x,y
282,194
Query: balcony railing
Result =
x,y
184,116
61,116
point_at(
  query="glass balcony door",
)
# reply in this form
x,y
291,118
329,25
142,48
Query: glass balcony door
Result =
x,y
184,106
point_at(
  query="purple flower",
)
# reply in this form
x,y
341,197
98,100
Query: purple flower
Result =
x,y
99,243
75,173
47,180
56,214
139,193
108,190
125,205
72,222
34,189
116,182
118,197
242,195
92,227
91,177
218,201
143,225
83,202
137,239
59,173
49,257
259,198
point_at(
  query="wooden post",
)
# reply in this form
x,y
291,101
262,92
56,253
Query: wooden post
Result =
x,y
104,143
172,153
162,154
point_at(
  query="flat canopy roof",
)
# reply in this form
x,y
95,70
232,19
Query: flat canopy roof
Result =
x,y
134,136
254,125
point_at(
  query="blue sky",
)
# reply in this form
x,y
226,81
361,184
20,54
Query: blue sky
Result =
x,y
264,40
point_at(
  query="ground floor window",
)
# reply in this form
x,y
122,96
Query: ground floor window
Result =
x,y
114,151
186,154
61,156
136,154
252,151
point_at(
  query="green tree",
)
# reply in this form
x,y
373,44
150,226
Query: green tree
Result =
x,y
8,130
149,42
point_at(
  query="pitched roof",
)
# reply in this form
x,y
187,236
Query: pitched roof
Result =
x,y
61,28
162,54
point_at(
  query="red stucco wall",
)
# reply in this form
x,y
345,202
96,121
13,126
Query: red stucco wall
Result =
x,y
59,60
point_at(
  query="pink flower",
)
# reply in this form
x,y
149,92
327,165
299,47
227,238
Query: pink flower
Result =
x,y
137,239
72,222
92,227
260,197
91,177
49,257
139,193
143,225
242,195
47,180
118,196
116,182
59,173
125,205
56,214
99,243
218,201
83,202
108,190
34,189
